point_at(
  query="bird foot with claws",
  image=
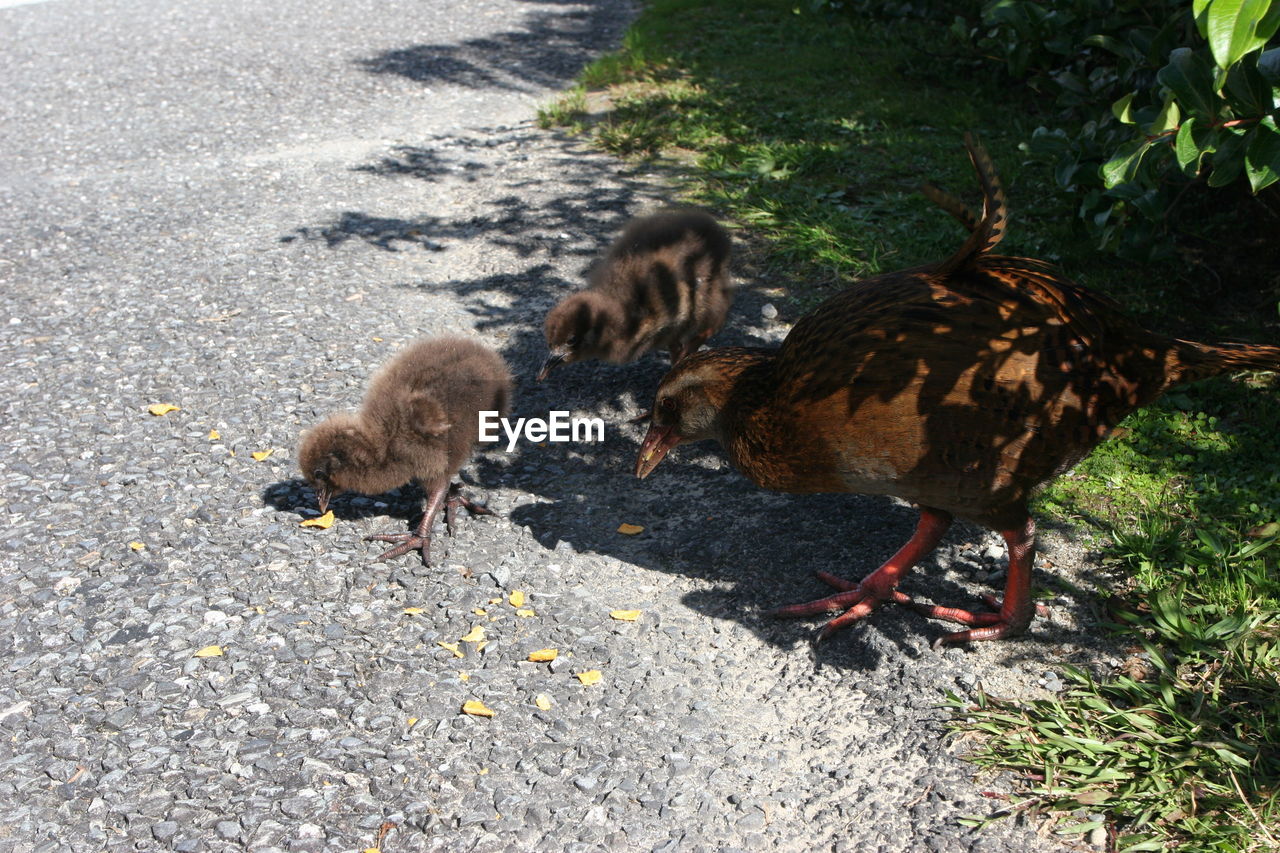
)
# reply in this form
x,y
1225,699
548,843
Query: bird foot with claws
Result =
x,y
993,625
404,543
457,500
856,599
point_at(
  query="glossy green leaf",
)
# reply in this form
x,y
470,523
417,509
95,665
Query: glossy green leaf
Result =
x,y
1248,93
1200,10
1124,165
1166,119
1121,109
1269,66
1262,157
1237,27
1190,79
1191,145
1228,159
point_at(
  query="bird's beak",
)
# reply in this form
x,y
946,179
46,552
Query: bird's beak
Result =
x,y
657,442
322,498
554,360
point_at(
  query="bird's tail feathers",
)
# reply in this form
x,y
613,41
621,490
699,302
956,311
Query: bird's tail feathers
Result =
x,y
1193,361
985,233
950,204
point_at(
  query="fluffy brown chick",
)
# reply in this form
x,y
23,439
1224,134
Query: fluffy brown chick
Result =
x,y
664,283
960,386
418,423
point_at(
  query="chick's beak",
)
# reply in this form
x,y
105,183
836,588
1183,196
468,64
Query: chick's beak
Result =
x,y
322,498
554,360
657,442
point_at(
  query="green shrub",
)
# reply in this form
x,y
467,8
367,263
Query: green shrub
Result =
x,y
1147,96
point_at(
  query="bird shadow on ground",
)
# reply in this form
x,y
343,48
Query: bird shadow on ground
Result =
x,y
752,550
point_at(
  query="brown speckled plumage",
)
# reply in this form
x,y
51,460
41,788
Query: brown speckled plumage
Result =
x,y
960,386
663,284
418,422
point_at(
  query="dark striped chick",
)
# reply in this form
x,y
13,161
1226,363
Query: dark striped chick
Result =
x,y
418,423
664,283
960,386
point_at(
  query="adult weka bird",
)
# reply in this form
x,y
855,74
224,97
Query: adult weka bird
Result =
x,y
419,422
664,283
960,386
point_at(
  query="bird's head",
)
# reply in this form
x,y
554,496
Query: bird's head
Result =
x,y
578,329
690,402
332,457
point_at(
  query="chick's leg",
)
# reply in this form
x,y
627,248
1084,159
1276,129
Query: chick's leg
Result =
x,y
457,500
1015,613
420,539
859,599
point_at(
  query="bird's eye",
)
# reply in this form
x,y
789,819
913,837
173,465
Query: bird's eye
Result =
x,y
667,405
572,342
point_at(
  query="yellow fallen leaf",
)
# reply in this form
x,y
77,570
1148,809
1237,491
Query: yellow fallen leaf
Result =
x,y
209,652
516,598
137,546
630,529
476,708
412,720
543,701
591,676
625,615
377,340
372,850
480,611
453,647
464,676
414,611
495,601
475,635
526,612
480,645
544,655
324,522
214,435
159,409
259,455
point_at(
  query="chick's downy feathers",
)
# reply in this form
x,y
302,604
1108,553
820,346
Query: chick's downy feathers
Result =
x,y
664,283
419,422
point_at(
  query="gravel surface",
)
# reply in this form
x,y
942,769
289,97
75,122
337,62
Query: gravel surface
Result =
x,y
242,209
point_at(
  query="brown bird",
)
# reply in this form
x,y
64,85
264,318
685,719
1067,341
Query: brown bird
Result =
x,y
418,423
960,386
664,283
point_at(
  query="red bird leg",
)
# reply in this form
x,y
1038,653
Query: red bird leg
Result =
x,y
420,539
1015,613
457,500
858,600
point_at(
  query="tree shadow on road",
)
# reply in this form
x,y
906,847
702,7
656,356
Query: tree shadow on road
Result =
x,y
546,51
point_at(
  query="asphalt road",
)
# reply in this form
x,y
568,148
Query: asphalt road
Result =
x,y
241,209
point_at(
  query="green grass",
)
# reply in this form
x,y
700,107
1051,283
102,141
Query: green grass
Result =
x,y
813,134
1182,753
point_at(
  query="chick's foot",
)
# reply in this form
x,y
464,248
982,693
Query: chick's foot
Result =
x,y
405,542
456,499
